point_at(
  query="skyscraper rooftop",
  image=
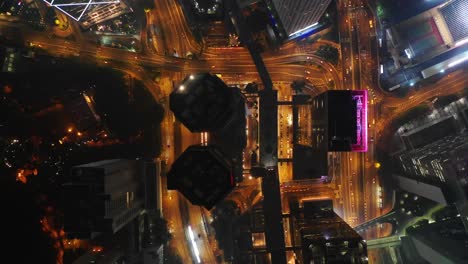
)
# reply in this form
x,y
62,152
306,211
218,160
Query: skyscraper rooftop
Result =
x,y
298,16
102,197
202,175
202,102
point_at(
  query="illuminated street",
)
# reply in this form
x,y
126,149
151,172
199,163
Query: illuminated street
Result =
x,y
170,52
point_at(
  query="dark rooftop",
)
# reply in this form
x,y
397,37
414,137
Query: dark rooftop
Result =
x,y
309,162
202,175
334,118
326,236
202,102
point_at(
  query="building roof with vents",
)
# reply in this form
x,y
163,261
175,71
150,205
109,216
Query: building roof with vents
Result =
x,y
455,15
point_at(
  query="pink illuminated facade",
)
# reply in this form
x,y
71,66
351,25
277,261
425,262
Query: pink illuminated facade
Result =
x,y
360,97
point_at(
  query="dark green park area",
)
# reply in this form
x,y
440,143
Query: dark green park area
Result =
x,y
33,112
127,108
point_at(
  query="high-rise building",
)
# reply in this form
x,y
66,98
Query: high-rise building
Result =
x,y
203,103
102,197
332,121
310,233
442,241
92,12
427,44
296,17
339,121
322,236
100,13
202,175
446,120
438,171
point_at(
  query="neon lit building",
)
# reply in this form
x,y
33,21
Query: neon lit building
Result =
x,y
360,98
90,12
339,121
334,121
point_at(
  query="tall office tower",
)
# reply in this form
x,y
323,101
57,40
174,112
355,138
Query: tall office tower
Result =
x,y
432,39
297,17
332,121
438,171
448,120
443,241
150,173
102,197
206,174
92,12
203,103
319,235
202,175
339,121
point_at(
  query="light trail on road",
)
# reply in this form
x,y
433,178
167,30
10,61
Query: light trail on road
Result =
x,y
355,171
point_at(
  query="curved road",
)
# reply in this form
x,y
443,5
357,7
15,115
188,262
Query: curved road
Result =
x,y
285,65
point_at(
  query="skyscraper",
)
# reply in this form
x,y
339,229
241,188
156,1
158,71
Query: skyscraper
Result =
x,y
438,171
298,16
335,121
102,197
442,241
92,12
203,103
202,175
339,121
206,174
322,235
